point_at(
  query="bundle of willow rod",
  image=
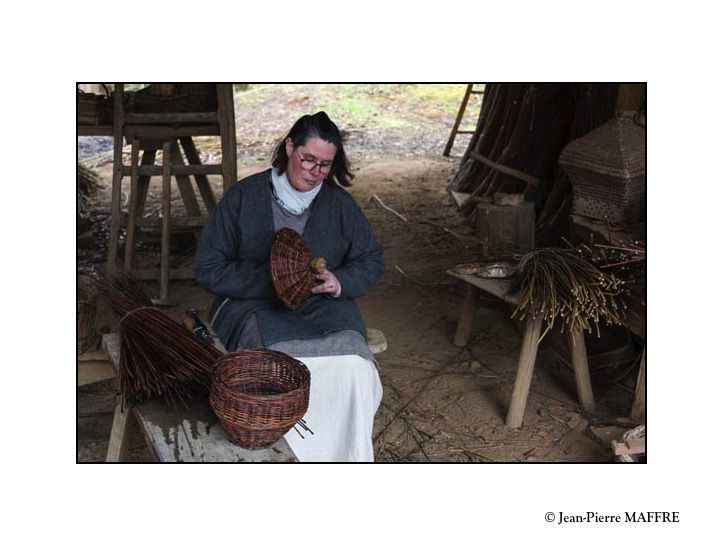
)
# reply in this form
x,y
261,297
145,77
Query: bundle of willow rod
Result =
x,y
158,356
564,284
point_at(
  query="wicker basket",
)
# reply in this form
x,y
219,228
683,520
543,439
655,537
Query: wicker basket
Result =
x,y
94,109
607,170
187,98
258,395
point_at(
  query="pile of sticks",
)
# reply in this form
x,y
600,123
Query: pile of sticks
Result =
x,y
159,356
520,133
566,285
88,183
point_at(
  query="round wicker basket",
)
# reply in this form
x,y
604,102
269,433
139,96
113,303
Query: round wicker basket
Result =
x,y
258,395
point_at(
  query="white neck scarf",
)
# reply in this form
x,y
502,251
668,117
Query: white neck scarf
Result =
x,y
294,201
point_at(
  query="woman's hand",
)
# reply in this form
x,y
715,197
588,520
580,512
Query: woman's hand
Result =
x,y
329,285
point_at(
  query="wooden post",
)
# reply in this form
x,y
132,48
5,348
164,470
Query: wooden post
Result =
x,y
638,406
184,184
148,158
118,435
118,122
226,122
202,181
582,372
526,365
467,317
165,244
132,211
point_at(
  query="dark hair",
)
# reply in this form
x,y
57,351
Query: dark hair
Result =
x,y
316,125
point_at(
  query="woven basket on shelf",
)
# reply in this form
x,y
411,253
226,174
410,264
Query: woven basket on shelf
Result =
x,y
157,98
94,109
607,170
259,395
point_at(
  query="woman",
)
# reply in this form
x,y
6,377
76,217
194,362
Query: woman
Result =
x,y
327,332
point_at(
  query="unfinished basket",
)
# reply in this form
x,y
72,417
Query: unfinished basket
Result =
x,y
607,170
259,395
293,268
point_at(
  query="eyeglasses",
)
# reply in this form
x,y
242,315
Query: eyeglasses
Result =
x,y
323,167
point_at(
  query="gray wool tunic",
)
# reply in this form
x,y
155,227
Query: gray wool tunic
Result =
x,y
232,261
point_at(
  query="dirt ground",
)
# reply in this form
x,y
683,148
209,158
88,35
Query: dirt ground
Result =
x,y
441,403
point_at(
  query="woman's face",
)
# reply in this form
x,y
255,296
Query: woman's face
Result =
x,y
309,164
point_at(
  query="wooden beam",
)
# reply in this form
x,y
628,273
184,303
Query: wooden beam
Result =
x,y
172,118
155,170
528,179
165,242
118,435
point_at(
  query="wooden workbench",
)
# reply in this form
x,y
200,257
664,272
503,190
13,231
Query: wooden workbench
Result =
x,y
528,351
182,435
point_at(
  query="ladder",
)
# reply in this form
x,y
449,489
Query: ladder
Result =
x,y
456,128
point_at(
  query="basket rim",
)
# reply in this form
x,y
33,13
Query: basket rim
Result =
x,y
227,389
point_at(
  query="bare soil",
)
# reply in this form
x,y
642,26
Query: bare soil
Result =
x,y
441,403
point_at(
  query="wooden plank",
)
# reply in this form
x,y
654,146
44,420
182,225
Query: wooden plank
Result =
x,y
528,179
178,222
165,242
226,123
154,273
201,180
148,158
172,118
118,435
523,377
193,434
132,211
116,190
183,181
156,170
95,131
496,287
581,370
169,132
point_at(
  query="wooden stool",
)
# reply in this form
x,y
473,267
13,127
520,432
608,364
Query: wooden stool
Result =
x,y
528,349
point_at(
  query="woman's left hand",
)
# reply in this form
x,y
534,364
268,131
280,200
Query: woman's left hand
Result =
x,y
329,285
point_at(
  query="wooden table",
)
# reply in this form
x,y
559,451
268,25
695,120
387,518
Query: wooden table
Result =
x,y
182,435
528,351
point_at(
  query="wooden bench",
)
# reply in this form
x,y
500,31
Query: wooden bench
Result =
x,y
179,434
192,434
528,351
